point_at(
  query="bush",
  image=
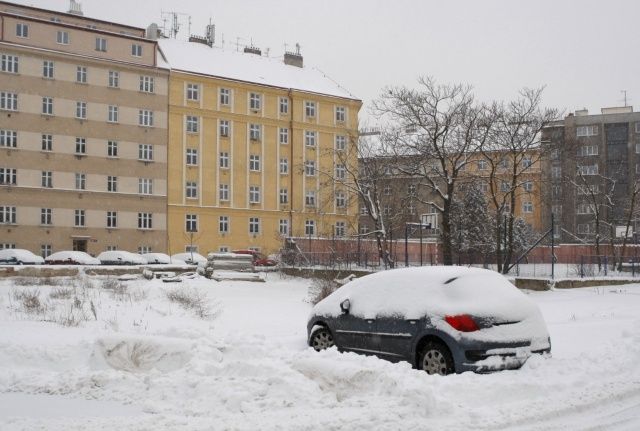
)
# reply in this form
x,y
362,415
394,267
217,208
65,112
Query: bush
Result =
x,y
29,300
62,293
191,299
321,288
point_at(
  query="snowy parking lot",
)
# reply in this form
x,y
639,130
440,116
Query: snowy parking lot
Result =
x,y
91,354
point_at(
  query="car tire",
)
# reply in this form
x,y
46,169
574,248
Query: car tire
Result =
x,y
435,358
321,339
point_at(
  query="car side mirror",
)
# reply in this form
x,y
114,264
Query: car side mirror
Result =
x,y
345,305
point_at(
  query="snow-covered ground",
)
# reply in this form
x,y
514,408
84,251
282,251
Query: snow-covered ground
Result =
x,y
138,361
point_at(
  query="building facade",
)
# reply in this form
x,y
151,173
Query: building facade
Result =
x,y
83,134
255,149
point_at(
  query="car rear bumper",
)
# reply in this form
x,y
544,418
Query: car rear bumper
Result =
x,y
498,358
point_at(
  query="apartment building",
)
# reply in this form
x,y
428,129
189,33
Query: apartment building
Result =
x,y
83,134
593,165
255,145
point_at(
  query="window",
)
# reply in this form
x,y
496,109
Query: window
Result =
x,y
62,37
637,148
341,171
79,218
224,160
191,190
556,191
145,118
340,114
556,172
588,169
283,135
411,209
113,114
190,248
527,162
8,138
45,250
585,209
310,198
81,181
505,186
588,189
254,162
341,200
284,166
146,84
114,79
145,186
310,138
586,131
81,146
310,109
8,216
555,154
340,228
588,150
223,224
386,190
47,69
527,186
145,220
81,110
101,44
8,101
341,142
9,63
136,50
255,101
145,152
47,105
224,96
22,30
483,187
284,196
309,227
47,142
191,222
386,210
8,176
411,189
81,74
254,194
556,210
112,183
6,245
283,227
47,179
112,219
112,149
364,210
224,128
223,249
584,228
192,156
193,92
284,105
254,132
224,192
254,225
527,207
192,124
310,168
45,216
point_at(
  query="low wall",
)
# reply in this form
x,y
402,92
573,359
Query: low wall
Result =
x,y
73,271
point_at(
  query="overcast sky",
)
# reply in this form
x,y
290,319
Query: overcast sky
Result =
x,y
585,51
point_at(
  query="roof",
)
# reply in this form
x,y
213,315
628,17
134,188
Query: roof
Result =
x,y
217,62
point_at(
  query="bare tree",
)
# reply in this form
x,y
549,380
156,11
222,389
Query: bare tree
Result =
x,y
433,130
631,214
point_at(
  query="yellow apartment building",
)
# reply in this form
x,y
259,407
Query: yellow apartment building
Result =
x,y
257,148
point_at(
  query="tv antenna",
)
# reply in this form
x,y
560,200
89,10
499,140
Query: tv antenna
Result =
x,y
175,20
625,99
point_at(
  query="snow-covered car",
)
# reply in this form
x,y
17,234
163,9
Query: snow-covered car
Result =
x,y
121,257
189,258
440,319
71,258
157,258
19,256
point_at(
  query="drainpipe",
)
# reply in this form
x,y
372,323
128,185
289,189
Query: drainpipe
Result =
x,y
290,96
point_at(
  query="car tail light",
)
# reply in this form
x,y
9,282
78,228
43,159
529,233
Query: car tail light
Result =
x,y
462,322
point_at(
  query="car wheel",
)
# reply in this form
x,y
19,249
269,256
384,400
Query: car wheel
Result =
x,y
321,339
435,358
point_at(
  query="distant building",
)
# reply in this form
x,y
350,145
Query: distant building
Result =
x,y
83,134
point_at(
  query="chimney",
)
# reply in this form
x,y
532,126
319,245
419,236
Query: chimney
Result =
x,y
293,58
75,8
252,50
153,32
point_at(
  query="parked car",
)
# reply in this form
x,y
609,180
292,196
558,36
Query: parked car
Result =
x,y
259,259
440,319
19,256
71,258
121,257
189,258
157,258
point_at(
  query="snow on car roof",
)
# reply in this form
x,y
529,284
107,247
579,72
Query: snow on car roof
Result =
x,y
436,290
76,256
188,256
20,254
214,61
113,255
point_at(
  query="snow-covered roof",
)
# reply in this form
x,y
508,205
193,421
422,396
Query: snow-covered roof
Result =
x,y
213,61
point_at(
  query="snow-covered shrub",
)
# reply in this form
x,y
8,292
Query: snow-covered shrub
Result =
x,y
191,299
61,293
320,288
29,300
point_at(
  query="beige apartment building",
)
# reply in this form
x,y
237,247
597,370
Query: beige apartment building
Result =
x,y
83,134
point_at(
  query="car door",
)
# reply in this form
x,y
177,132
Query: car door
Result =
x,y
357,334
397,335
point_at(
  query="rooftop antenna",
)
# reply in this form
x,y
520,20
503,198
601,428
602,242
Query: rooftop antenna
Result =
x,y
174,19
297,48
625,100
237,44
211,33
222,40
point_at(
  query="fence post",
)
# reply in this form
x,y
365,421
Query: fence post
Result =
x,y
606,264
582,266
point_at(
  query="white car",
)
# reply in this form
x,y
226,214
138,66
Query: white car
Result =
x,y
71,258
19,256
157,258
190,258
121,257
